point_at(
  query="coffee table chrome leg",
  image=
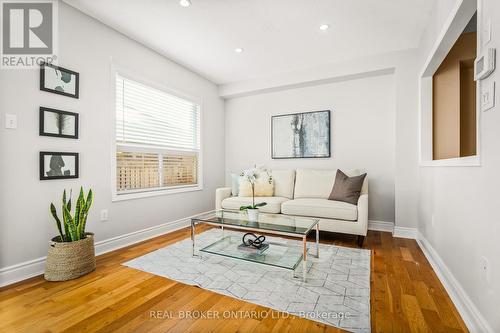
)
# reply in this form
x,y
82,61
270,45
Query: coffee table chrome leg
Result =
x,y
192,238
304,259
317,240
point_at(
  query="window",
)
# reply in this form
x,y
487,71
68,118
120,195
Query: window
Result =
x,y
157,140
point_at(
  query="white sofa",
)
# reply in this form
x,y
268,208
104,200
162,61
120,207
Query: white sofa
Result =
x,y
305,192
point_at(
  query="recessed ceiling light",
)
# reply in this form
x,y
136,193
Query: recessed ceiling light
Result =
x,y
238,50
185,3
324,27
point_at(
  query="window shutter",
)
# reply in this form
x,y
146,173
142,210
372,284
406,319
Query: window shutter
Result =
x,y
148,116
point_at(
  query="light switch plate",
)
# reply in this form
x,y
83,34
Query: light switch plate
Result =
x,y
10,121
104,215
487,95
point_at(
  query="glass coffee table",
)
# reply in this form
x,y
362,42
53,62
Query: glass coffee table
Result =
x,y
279,254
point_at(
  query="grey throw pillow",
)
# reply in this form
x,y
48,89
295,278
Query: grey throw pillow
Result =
x,y
347,189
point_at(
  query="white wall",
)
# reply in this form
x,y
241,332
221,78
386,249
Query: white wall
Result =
x,y
362,132
464,200
86,46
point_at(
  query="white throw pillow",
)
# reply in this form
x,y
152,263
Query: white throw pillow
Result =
x,y
264,186
235,184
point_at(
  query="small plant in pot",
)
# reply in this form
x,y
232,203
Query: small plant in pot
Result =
x,y
71,254
251,175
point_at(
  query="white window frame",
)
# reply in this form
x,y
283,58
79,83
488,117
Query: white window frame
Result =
x,y
157,191
452,29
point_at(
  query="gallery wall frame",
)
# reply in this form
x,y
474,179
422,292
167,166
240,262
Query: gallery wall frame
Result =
x,y
289,139
58,123
59,80
59,165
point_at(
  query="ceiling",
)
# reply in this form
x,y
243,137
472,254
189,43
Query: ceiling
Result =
x,y
277,36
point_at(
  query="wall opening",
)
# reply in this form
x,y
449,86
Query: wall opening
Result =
x,y
454,111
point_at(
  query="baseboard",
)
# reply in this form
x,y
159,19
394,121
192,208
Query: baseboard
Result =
x,y
22,271
404,232
119,242
468,311
399,232
35,267
381,226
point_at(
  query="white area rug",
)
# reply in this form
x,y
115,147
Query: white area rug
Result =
x,y
337,290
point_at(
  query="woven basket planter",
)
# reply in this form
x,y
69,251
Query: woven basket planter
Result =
x,y
69,260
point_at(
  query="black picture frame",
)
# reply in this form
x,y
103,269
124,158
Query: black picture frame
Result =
x,y
43,172
42,132
274,157
43,86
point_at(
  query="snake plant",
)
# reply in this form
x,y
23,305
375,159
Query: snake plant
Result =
x,y
72,227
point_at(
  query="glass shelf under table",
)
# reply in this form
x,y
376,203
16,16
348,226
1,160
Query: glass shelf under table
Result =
x,y
278,254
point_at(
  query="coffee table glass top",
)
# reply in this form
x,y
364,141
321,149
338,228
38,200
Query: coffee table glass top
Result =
x,y
272,222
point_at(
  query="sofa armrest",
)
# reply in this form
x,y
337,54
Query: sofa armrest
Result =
x,y
363,212
221,194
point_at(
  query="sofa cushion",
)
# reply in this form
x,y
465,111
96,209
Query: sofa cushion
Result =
x,y
273,203
311,183
324,208
284,182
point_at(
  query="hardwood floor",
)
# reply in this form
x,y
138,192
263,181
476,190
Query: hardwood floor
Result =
x,y
406,296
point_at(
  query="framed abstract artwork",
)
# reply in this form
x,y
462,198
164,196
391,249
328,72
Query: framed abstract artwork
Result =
x,y
301,135
58,165
59,80
58,123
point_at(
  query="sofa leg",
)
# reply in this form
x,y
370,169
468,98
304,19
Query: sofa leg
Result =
x,y
361,239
